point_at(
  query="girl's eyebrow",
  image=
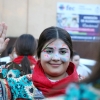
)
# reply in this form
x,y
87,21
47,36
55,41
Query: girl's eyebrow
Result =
x,y
64,48
48,48
54,47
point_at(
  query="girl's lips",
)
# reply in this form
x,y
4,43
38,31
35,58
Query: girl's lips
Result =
x,y
55,65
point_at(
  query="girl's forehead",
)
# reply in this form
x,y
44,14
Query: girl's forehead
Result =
x,y
56,43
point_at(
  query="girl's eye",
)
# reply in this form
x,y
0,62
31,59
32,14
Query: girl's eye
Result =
x,y
49,51
62,52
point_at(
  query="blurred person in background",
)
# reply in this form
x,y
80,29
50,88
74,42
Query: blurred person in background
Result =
x,y
21,68
82,70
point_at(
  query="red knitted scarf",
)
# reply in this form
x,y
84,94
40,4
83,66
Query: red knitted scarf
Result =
x,y
49,88
19,59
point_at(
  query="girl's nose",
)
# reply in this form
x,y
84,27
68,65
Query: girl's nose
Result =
x,y
56,57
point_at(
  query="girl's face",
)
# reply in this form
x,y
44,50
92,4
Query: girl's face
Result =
x,y
55,59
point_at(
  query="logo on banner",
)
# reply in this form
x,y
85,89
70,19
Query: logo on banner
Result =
x,y
61,7
68,7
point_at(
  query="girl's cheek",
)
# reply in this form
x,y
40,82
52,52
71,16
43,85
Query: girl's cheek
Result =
x,y
65,58
45,57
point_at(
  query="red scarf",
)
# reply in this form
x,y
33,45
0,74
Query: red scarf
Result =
x,y
19,59
49,88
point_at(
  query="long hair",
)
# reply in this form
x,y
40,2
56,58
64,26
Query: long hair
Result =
x,y
25,46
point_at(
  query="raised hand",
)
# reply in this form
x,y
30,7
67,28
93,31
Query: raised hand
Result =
x,y
3,41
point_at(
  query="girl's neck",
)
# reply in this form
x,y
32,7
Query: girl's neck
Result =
x,y
57,77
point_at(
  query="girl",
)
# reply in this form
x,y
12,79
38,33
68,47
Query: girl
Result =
x,y
54,68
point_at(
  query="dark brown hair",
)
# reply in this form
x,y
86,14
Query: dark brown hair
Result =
x,y
52,33
25,45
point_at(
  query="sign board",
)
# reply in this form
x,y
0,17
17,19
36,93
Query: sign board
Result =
x,y
82,21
